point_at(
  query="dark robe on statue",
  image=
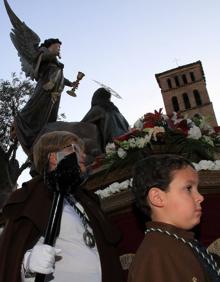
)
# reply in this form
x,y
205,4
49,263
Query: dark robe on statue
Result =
x,y
43,105
106,116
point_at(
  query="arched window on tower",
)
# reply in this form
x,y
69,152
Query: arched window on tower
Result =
x,y
184,79
169,83
192,76
197,97
177,81
186,101
175,103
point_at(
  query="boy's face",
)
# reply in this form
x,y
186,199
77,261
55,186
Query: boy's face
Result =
x,y
182,201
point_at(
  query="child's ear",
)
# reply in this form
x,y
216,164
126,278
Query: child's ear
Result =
x,y
156,197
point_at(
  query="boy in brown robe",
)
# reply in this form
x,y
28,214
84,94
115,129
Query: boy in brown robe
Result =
x,y
166,189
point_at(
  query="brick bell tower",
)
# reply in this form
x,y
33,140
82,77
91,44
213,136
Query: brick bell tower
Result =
x,y
184,91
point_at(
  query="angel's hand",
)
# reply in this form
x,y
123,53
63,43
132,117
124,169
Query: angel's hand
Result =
x,y
75,84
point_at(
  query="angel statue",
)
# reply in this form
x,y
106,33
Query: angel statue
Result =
x,y
40,63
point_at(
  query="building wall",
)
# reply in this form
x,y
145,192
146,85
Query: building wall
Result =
x,y
186,82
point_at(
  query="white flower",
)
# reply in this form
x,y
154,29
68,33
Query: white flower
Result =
x,y
190,122
138,124
132,142
175,119
206,165
174,116
147,137
217,165
194,133
106,193
196,166
204,125
110,148
150,132
114,188
165,117
124,185
140,142
103,193
121,153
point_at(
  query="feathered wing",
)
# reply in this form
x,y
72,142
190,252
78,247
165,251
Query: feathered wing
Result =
x,y
25,40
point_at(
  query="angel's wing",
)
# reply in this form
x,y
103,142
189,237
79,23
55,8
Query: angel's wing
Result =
x,y
25,40
113,92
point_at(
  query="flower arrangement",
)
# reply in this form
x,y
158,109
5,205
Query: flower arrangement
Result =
x,y
114,188
118,187
158,133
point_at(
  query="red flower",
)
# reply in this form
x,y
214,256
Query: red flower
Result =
x,y
153,118
126,136
217,129
149,124
182,126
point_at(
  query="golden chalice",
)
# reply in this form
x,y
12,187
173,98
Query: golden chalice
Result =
x,y
71,92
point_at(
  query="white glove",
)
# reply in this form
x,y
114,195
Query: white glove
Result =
x,y
41,259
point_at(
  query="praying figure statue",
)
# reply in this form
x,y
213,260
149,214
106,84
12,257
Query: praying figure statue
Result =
x,y
106,116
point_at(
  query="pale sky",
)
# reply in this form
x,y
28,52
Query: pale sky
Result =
x,y
121,43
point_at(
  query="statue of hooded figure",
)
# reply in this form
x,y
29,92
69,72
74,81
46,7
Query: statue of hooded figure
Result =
x,y
106,116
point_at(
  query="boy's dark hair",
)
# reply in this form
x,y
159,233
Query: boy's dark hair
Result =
x,y
154,171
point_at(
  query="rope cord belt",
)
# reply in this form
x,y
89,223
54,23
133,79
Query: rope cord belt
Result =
x,y
88,237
